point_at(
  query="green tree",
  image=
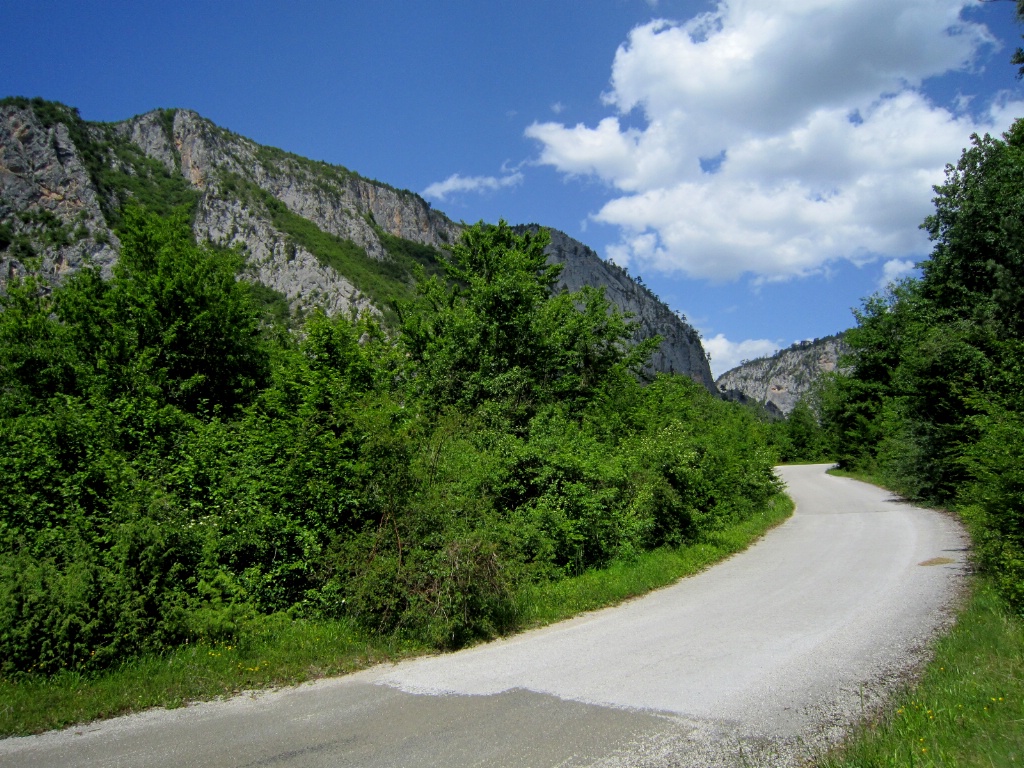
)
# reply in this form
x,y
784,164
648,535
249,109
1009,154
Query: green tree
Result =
x,y
932,401
1018,56
472,336
803,434
179,318
493,332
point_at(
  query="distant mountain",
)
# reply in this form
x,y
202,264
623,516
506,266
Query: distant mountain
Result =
x,y
779,381
312,234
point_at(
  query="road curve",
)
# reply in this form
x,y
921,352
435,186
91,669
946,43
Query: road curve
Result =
x,y
758,660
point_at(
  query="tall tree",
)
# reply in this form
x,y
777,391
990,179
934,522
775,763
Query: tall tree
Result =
x,y
493,331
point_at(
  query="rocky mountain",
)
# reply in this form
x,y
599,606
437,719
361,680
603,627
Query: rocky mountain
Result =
x,y
681,350
312,234
779,381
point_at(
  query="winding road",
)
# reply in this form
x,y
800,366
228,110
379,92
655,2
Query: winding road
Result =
x,y
759,660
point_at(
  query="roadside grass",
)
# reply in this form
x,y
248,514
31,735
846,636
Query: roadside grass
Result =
x,y
279,651
966,710
274,652
547,603
864,477
967,707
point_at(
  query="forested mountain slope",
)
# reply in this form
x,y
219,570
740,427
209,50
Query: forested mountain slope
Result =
x,y
316,235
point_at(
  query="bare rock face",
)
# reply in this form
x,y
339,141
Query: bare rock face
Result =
x,y
270,260
48,203
778,382
337,201
681,350
333,198
256,199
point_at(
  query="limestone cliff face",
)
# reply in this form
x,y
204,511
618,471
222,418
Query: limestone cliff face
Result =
x,y
335,200
48,204
778,382
681,350
57,199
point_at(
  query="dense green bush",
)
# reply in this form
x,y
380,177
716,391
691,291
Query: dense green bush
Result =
x,y
800,437
932,403
171,472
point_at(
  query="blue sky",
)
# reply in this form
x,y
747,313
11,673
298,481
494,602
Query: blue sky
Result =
x,y
762,164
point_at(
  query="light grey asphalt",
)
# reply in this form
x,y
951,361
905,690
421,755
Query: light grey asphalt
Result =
x,y
759,660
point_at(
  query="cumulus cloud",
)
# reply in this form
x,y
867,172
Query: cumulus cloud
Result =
x,y
456,183
893,270
726,355
778,136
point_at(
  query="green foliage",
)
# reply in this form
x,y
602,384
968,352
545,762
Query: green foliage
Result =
x,y
98,383
6,236
494,336
966,708
278,650
186,318
932,402
1018,56
172,472
799,437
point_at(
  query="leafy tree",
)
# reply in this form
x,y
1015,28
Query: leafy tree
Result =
x,y
168,473
493,331
473,336
932,401
186,323
1018,56
800,435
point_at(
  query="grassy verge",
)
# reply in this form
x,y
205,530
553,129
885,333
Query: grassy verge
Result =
x,y
280,651
277,651
863,477
967,708
554,601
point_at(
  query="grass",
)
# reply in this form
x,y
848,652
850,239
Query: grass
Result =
x,y
547,603
279,651
966,710
967,707
860,475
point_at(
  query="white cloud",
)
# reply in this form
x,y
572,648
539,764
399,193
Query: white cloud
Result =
x,y
558,107
828,148
726,355
893,270
456,183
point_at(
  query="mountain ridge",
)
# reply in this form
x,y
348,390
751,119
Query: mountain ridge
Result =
x,y
779,381
319,235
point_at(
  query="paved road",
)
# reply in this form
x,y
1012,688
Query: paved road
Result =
x,y
756,661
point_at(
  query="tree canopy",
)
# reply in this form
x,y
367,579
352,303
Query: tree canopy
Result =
x,y
933,401
174,468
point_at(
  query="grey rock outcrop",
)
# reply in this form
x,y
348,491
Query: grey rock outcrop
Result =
x,y
254,199
270,260
47,202
336,200
681,350
778,382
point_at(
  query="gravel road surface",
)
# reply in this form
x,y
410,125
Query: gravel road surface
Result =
x,y
760,660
